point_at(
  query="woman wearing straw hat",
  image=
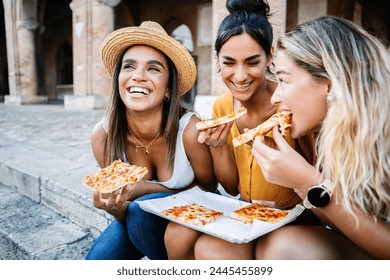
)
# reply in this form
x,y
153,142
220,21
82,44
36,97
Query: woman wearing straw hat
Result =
x,y
145,125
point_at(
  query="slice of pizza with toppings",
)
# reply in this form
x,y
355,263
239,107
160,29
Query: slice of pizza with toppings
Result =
x,y
114,176
282,119
192,214
205,124
256,211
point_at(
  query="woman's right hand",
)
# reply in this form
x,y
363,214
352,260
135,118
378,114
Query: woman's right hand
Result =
x,y
216,136
283,165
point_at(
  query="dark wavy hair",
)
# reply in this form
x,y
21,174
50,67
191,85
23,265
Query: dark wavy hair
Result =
x,y
246,16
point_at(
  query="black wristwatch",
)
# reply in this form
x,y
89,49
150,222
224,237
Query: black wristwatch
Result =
x,y
317,196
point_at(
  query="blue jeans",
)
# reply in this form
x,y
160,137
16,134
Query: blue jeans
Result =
x,y
142,235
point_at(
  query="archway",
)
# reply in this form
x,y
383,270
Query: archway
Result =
x,y
64,65
182,33
55,50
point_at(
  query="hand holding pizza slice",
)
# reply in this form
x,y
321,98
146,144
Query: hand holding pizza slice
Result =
x,y
282,119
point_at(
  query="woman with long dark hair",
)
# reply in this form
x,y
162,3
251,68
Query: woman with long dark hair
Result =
x,y
146,126
244,50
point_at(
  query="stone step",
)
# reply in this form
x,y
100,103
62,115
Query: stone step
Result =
x,y
32,231
45,151
53,181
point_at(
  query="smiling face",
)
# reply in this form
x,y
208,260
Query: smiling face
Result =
x,y
300,92
143,78
243,63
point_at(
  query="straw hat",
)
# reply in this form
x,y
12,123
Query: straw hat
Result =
x,y
151,34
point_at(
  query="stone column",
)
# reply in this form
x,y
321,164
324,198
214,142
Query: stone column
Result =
x,y
21,23
278,19
93,20
311,9
203,103
219,12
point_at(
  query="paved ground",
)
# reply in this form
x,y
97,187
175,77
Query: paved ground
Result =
x,y
45,211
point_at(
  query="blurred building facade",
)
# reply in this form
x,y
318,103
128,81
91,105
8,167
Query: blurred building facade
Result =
x,y
50,48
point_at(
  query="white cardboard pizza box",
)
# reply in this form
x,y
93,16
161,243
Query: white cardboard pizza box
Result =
x,y
225,227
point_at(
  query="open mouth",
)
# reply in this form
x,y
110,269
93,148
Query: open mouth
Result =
x,y
241,87
138,91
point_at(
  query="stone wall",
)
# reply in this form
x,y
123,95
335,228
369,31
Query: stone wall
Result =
x,y
35,32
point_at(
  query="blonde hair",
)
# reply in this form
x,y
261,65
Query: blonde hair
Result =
x,y
353,145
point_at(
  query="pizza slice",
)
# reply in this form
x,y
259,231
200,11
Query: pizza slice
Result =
x,y
205,124
282,119
257,211
192,214
114,176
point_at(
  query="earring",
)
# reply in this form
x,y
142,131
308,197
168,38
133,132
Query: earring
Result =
x,y
167,98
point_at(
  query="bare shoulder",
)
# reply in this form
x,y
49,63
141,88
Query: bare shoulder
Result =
x,y
98,137
98,132
190,133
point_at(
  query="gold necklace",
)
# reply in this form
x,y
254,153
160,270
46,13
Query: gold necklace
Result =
x,y
146,147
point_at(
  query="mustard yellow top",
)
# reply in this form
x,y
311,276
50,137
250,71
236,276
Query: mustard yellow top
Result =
x,y
252,184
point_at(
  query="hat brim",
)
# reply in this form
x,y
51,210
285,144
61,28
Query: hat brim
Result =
x,y
121,39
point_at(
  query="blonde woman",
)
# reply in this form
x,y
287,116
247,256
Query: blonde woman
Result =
x,y
335,78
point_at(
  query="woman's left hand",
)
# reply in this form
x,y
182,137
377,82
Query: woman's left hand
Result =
x,y
114,203
216,136
281,164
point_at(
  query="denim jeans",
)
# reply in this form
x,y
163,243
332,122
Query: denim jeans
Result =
x,y
143,235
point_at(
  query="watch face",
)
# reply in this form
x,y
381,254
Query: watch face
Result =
x,y
318,196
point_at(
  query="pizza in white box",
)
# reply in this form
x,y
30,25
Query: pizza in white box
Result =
x,y
220,216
